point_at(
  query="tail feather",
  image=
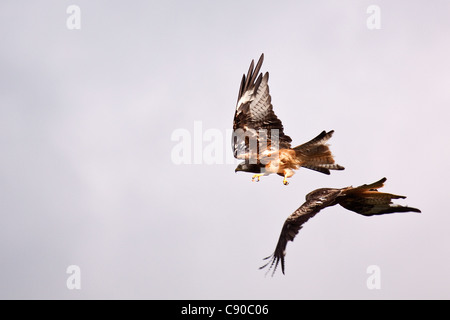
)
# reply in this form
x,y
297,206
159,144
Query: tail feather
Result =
x,y
367,187
368,201
316,155
366,207
316,168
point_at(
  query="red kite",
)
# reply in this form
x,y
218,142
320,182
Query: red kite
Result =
x,y
365,200
259,139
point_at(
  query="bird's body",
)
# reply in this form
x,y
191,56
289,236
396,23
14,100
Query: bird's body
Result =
x,y
259,139
365,200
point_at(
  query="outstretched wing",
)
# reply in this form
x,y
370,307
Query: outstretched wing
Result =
x,y
365,200
368,201
315,201
254,118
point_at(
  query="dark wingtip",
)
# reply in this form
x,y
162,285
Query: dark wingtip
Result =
x,y
414,209
272,264
268,257
266,264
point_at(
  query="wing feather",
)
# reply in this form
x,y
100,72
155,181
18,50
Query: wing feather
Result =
x,y
315,201
254,114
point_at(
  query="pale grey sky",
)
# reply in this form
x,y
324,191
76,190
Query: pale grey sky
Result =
x,y
87,177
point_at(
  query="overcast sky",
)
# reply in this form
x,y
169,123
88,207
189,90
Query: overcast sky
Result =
x,y
88,178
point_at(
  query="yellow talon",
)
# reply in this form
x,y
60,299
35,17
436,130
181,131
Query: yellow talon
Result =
x,y
285,182
256,176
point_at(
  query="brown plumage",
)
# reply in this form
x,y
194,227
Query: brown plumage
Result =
x,y
365,200
259,139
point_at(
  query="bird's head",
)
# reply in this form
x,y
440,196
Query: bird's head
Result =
x,y
248,167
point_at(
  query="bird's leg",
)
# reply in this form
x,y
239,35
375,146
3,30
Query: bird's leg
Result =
x,y
256,176
285,182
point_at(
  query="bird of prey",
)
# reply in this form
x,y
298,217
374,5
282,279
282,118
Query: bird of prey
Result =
x,y
259,139
365,200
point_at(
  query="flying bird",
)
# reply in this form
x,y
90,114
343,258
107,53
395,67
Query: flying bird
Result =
x,y
365,200
259,139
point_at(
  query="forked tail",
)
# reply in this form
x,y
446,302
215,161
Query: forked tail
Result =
x,y
316,155
368,201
